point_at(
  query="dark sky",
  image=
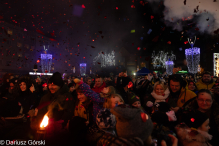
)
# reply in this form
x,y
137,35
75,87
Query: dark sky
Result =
x,y
104,24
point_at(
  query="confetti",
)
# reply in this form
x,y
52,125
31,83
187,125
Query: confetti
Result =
x,y
39,31
149,31
133,31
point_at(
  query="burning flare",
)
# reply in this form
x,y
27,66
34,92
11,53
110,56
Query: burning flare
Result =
x,y
45,121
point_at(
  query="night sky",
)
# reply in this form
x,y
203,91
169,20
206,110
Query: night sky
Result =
x,y
106,25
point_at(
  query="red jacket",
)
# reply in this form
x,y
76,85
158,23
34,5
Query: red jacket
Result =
x,y
99,89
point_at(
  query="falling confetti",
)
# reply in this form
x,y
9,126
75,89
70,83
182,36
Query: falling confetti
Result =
x,y
133,31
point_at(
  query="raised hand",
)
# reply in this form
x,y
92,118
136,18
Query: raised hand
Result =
x,y
32,89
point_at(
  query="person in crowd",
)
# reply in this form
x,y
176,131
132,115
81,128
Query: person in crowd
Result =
x,y
159,94
83,107
133,127
144,90
40,87
9,95
192,86
89,81
113,101
134,101
193,130
24,92
178,93
124,85
98,99
99,84
206,82
72,90
205,103
56,104
108,81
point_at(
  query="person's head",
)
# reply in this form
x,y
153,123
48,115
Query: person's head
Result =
x,y
98,81
53,88
134,100
204,100
55,82
175,83
89,80
71,87
11,84
38,80
206,77
159,88
197,120
81,97
23,86
113,101
191,85
108,91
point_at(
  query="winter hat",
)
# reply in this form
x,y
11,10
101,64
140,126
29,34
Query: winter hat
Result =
x,y
125,81
132,98
132,122
194,119
105,119
57,79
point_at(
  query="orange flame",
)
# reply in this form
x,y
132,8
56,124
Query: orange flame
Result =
x,y
45,121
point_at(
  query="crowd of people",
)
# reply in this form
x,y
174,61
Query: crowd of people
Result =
x,y
156,109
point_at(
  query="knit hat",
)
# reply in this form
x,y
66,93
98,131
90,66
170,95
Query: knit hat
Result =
x,y
105,119
132,122
194,119
132,98
57,79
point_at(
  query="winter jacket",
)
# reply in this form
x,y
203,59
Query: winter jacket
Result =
x,y
200,85
27,99
94,97
187,139
99,89
179,101
110,140
59,106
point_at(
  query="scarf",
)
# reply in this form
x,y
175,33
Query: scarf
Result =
x,y
160,98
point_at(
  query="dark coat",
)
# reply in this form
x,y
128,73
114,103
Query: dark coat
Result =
x,y
59,106
27,99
